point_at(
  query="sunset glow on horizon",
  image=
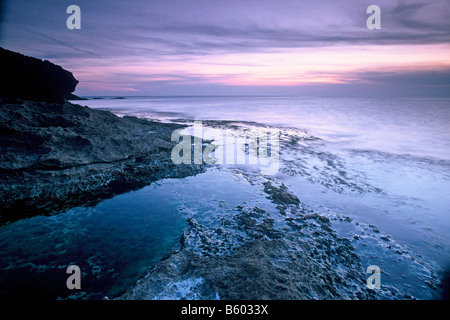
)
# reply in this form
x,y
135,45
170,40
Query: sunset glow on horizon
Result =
x,y
209,48
288,68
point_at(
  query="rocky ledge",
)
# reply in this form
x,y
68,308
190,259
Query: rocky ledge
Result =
x,y
54,156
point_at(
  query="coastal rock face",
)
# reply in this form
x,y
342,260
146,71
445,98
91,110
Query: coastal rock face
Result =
x,y
29,78
57,155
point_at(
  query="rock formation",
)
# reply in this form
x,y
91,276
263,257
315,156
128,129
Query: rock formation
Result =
x,y
29,78
55,155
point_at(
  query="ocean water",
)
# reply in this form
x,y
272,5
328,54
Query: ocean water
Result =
x,y
400,147
378,168
418,127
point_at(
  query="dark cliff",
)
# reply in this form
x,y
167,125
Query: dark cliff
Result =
x,y
28,78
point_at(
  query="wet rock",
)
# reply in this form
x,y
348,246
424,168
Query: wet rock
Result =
x,y
55,156
281,196
252,254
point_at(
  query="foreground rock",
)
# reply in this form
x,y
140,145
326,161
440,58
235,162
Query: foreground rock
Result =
x,y
55,156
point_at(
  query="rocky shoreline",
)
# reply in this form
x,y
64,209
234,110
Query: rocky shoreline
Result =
x,y
59,156
291,253
55,156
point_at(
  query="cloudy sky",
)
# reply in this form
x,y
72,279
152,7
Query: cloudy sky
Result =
x,y
245,47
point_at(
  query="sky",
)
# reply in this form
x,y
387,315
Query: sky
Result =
x,y
246,47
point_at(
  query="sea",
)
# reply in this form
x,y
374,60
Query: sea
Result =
x,y
378,168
